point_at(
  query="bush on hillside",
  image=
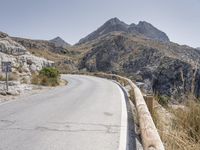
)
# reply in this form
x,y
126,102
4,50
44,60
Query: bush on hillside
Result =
x,y
48,76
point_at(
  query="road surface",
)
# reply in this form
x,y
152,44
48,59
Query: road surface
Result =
x,y
87,114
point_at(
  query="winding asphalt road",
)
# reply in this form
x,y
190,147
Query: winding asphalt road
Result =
x,y
87,114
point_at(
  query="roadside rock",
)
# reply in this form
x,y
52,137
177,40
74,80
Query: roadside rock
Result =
x,y
23,65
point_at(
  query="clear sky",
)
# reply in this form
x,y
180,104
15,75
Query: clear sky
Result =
x,y
74,19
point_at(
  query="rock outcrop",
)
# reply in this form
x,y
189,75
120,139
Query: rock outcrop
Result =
x,y
23,65
42,45
10,47
3,35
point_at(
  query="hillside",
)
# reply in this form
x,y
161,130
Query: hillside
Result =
x,y
63,56
166,68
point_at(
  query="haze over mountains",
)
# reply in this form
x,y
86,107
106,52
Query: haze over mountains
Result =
x,y
140,52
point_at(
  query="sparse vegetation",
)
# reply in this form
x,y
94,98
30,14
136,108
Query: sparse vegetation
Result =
x,y
162,100
48,76
11,76
182,132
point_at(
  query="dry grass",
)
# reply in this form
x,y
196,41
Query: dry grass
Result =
x,y
181,131
47,54
43,80
11,77
179,128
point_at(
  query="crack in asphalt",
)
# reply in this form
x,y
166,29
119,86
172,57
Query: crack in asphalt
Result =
x,y
81,123
7,122
59,130
82,127
107,127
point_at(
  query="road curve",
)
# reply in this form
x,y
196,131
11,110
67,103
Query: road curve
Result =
x,y
87,114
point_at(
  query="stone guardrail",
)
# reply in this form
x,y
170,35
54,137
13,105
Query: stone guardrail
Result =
x,y
149,134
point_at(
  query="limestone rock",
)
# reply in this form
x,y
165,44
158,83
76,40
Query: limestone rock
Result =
x,y
23,64
8,46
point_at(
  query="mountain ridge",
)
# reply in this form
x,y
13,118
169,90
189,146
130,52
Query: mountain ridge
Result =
x,y
143,28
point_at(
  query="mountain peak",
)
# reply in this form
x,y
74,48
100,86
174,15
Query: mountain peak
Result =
x,y
151,32
144,23
115,21
58,38
59,42
114,24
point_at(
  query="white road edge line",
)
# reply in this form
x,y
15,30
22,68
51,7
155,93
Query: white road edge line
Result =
x,y
124,124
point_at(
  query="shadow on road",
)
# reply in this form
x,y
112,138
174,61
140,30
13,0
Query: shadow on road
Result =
x,y
133,140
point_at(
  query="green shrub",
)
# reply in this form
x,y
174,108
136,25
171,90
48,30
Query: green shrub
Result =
x,y
50,72
48,76
163,100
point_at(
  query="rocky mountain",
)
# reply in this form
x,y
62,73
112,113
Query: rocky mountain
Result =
x,y
167,69
198,48
40,45
143,28
59,42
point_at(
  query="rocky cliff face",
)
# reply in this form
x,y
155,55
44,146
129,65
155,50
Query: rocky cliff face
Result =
x,y
142,28
166,68
23,64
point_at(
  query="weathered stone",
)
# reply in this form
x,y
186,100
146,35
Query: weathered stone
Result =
x,y
33,68
13,92
8,46
23,64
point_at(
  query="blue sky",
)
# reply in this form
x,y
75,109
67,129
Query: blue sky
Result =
x,y
74,19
